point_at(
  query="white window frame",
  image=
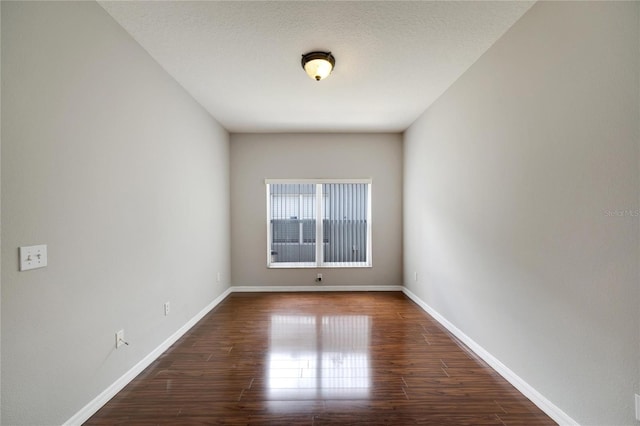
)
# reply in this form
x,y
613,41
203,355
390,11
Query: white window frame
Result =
x,y
319,263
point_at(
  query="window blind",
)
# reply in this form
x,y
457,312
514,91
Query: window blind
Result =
x,y
299,212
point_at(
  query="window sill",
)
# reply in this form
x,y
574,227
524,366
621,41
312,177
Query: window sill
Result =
x,y
314,266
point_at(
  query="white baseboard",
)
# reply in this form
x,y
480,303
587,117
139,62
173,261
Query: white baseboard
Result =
x,y
92,407
543,403
291,288
527,390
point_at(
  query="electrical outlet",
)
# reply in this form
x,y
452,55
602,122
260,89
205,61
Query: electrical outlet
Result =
x,y
166,308
319,278
637,407
32,257
120,339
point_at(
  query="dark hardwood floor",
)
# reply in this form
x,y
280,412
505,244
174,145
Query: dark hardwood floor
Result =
x,y
319,358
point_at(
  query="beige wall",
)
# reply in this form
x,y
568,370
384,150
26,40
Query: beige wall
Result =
x,y
110,163
521,205
255,157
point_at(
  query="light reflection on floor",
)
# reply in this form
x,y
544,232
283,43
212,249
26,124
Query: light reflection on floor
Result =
x,y
319,357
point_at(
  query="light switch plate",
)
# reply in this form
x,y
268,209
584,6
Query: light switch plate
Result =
x,y
637,407
32,257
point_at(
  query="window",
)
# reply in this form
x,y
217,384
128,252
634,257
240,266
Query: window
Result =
x,y
298,211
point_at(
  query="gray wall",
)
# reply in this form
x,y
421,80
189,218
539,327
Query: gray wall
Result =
x,y
0,217
521,205
107,160
255,157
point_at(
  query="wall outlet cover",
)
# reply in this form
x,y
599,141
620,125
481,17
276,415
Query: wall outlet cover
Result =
x,y
119,338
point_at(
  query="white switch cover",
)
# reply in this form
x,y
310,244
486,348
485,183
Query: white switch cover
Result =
x,y
637,407
32,257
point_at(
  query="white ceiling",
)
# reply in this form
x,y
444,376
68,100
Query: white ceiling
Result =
x,y
241,59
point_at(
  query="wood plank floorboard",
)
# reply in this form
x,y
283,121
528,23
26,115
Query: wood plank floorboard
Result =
x,y
319,359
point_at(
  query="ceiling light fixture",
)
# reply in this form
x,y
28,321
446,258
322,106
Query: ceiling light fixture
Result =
x,y
318,65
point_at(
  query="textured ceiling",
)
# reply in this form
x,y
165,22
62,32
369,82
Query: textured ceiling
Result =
x,y
241,59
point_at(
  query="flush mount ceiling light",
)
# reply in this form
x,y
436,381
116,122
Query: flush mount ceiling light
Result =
x,y
318,65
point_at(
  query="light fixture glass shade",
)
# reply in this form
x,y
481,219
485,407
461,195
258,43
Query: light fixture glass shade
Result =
x,y
318,65
318,69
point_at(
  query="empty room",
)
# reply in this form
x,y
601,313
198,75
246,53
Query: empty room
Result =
x,y
320,212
